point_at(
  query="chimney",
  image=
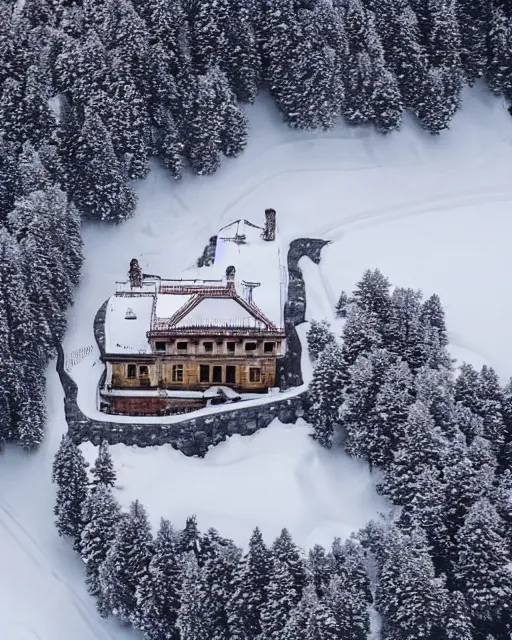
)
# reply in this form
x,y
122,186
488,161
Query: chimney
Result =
x,y
135,274
269,232
230,277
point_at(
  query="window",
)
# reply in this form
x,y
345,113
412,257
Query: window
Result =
x,y
217,375
160,346
132,371
182,346
230,347
208,347
269,347
230,375
204,373
177,373
250,346
143,371
254,374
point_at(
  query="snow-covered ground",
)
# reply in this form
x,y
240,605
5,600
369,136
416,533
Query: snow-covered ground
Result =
x,y
429,212
282,479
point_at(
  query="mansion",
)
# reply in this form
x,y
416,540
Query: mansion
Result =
x,y
173,346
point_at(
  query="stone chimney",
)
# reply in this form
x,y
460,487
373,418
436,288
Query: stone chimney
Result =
x,y
135,274
230,277
269,233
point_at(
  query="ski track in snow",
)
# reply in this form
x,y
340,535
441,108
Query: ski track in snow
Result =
x,y
331,185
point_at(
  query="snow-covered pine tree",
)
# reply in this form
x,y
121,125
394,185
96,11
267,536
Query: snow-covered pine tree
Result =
x,y
348,611
361,334
342,305
286,551
374,431
372,294
32,174
189,539
491,399
405,335
499,66
483,569
126,565
325,393
100,515
457,623
219,570
209,34
422,448
70,475
282,597
318,336
410,598
467,389
9,178
434,387
473,17
432,314
250,594
350,563
103,469
243,65
158,594
100,189
311,619
319,568
193,622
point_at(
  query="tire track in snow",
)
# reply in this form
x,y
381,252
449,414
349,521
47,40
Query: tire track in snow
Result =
x,y
450,200
28,545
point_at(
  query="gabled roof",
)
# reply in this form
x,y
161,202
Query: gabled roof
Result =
x,y
215,308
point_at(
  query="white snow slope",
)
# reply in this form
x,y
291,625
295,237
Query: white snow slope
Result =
x,y
429,212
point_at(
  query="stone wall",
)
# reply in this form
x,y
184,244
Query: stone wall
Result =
x,y
289,370
195,435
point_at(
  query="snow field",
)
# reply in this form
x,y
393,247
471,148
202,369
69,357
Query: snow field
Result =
x,y
278,477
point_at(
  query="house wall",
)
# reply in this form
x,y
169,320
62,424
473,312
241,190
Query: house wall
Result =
x,y
219,346
160,373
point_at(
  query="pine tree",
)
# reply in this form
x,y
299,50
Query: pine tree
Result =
x,y
100,190
467,389
325,393
372,295
376,406
320,569
318,337
405,332
158,594
409,597
9,178
189,539
282,597
491,399
126,565
342,305
286,551
482,568
348,610
210,34
351,565
432,314
311,619
250,593
103,469
458,620
193,622
434,387
422,449
362,333
100,515
70,475
243,66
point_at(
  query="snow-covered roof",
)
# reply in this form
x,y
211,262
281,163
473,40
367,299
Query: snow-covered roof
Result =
x,y
125,334
203,298
220,312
